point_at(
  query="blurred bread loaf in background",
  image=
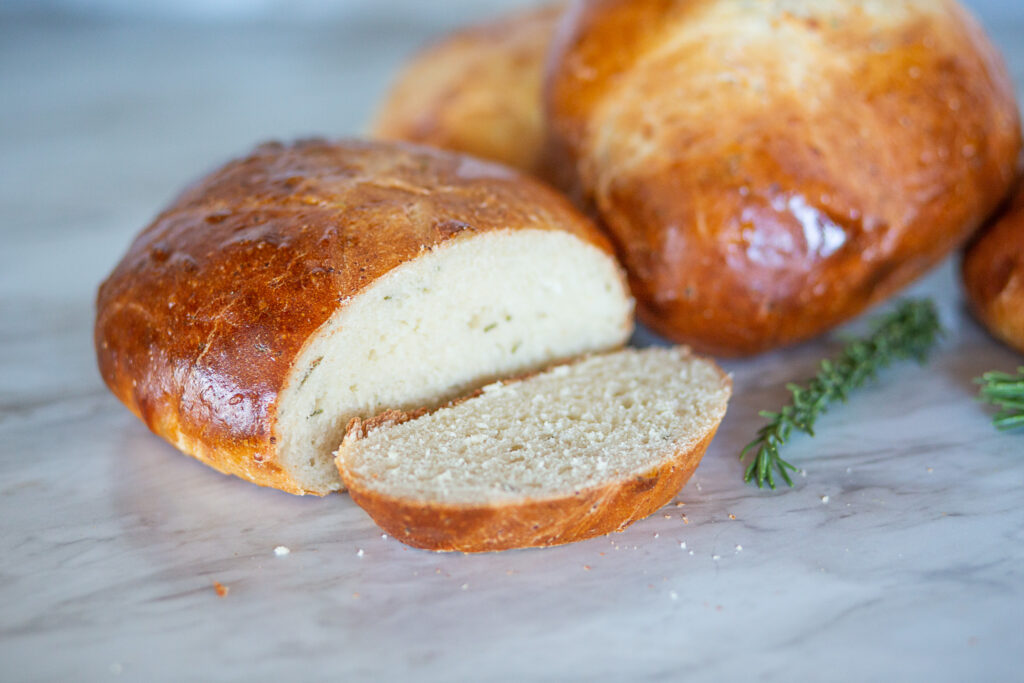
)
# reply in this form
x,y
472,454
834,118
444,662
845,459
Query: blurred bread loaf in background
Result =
x,y
477,91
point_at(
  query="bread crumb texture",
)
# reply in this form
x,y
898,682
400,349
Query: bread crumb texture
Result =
x,y
574,427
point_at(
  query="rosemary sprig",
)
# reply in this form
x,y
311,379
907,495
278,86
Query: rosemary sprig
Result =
x,y
910,331
1005,392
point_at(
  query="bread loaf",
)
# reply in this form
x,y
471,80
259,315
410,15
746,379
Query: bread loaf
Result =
x,y
477,91
993,272
769,169
307,284
577,451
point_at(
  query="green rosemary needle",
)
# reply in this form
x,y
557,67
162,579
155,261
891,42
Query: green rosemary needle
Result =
x,y
1005,392
911,331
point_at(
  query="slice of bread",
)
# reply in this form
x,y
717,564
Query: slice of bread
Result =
x,y
576,451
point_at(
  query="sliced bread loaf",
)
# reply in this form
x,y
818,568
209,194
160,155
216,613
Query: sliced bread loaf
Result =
x,y
576,451
310,283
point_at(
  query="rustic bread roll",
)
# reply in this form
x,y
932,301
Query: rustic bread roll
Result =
x,y
769,169
307,284
578,451
477,91
993,271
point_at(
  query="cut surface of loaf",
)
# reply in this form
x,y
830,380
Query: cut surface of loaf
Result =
x,y
310,283
576,451
477,91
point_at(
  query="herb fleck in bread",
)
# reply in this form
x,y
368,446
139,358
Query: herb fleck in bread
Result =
x,y
577,451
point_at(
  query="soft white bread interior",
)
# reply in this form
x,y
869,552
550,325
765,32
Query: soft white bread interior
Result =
x,y
473,309
576,451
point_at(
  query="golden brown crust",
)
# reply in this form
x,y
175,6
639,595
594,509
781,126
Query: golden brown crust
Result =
x,y
766,175
530,523
198,326
477,91
993,272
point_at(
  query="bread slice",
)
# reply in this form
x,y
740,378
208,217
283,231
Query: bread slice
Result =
x,y
576,451
310,283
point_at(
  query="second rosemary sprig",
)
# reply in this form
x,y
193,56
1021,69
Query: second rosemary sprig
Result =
x,y
911,331
1006,392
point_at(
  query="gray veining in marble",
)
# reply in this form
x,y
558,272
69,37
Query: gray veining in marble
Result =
x,y
111,541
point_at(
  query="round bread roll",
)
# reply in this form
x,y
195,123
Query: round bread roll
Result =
x,y
769,169
993,271
308,284
477,91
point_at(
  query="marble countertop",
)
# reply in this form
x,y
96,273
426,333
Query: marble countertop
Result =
x,y
897,556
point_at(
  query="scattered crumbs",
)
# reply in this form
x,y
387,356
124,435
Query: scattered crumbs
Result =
x,y
685,520
673,595
682,544
437,571
465,586
282,550
509,572
691,552
824,500
668,516
221,589
716,558
680,503
930,470
698,486
586,567
739,548
384,537
359,553
732,516
803,473
656,535
601,554
355,595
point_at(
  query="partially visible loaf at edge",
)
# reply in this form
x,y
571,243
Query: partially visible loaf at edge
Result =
x,y
993,273
309,283
477,91
767,170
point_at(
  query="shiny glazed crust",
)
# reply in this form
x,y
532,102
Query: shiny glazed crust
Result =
x,y
993,271
767,174
477,91
529,523
199,325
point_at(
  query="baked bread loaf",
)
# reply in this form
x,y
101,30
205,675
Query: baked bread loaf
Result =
x,y
993,270
577,451
477,91
306,284
769,169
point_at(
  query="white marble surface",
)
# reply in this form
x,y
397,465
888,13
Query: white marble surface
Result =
x,y
111,541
